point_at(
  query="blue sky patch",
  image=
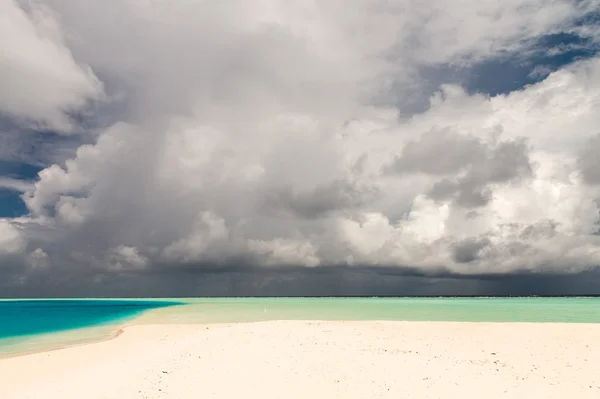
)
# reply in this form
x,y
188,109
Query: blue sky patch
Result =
x,y
502,74
11,204
506,74
19,170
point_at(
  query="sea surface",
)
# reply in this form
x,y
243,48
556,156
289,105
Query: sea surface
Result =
x,y
37,325
32,325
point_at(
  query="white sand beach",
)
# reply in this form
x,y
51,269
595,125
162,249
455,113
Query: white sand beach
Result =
x,y
294,359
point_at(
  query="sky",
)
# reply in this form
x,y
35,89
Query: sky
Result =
x,y
363,147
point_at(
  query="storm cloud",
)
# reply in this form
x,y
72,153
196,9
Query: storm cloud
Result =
x,y
228,141
468,167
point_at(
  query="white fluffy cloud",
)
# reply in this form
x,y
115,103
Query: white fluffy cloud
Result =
x,y
11,239
42,85
267,135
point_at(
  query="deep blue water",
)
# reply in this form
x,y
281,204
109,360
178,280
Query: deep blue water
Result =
x,y
29,317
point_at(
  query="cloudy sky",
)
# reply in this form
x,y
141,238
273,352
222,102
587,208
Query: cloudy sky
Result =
x,y
274,147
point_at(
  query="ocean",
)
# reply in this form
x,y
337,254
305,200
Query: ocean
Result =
x,y
35,325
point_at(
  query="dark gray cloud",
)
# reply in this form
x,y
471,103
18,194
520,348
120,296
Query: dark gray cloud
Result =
x,y
440,153
475,166
463,194
508,161
338,195
295,282
468,250
589,160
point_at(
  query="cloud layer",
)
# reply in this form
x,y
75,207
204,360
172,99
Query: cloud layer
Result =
x,y
278,135
41,82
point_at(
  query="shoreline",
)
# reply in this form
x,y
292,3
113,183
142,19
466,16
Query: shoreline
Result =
x,y
572,310
102,328
348,359
115,333
121,328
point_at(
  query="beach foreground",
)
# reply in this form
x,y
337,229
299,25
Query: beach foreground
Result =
x,y
297,359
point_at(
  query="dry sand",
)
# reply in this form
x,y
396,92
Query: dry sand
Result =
x,y
293,359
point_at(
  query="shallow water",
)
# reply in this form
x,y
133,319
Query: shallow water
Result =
x,y
37,325
225,310
32,325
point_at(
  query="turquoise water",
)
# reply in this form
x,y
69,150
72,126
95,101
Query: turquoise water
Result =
x,y
36,325
26,323
227,310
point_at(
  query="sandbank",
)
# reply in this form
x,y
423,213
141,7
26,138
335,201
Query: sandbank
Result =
x,y
317,359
